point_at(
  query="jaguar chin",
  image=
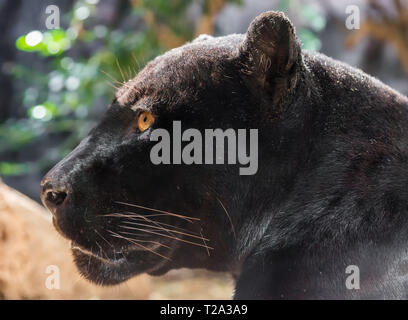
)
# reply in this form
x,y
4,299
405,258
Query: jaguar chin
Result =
x,y
111,268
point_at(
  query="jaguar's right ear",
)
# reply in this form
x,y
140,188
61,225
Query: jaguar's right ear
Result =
x,y
270,55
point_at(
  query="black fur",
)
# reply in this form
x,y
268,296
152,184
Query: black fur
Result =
x,y
331,189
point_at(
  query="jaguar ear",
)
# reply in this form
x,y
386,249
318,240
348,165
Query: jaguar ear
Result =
x,y
270,54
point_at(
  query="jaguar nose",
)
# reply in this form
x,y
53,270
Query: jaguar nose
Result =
x,y
53,196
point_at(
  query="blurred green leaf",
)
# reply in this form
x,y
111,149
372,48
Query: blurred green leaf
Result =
x,y
284,5
12,169
309,40
310,13
15,136
49,43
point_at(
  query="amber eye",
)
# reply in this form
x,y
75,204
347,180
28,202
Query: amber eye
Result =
x,y
144,121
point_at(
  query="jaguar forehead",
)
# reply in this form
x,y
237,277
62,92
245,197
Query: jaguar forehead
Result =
x,y
162,73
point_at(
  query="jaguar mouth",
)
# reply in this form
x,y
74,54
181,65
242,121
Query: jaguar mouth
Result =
x,y
107,256
114,266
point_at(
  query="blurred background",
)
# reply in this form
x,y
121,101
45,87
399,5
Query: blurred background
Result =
x,y
56,83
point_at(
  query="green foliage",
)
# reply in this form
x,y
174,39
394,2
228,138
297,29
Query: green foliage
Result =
x,y
59,102
49,43
12,169
316,22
